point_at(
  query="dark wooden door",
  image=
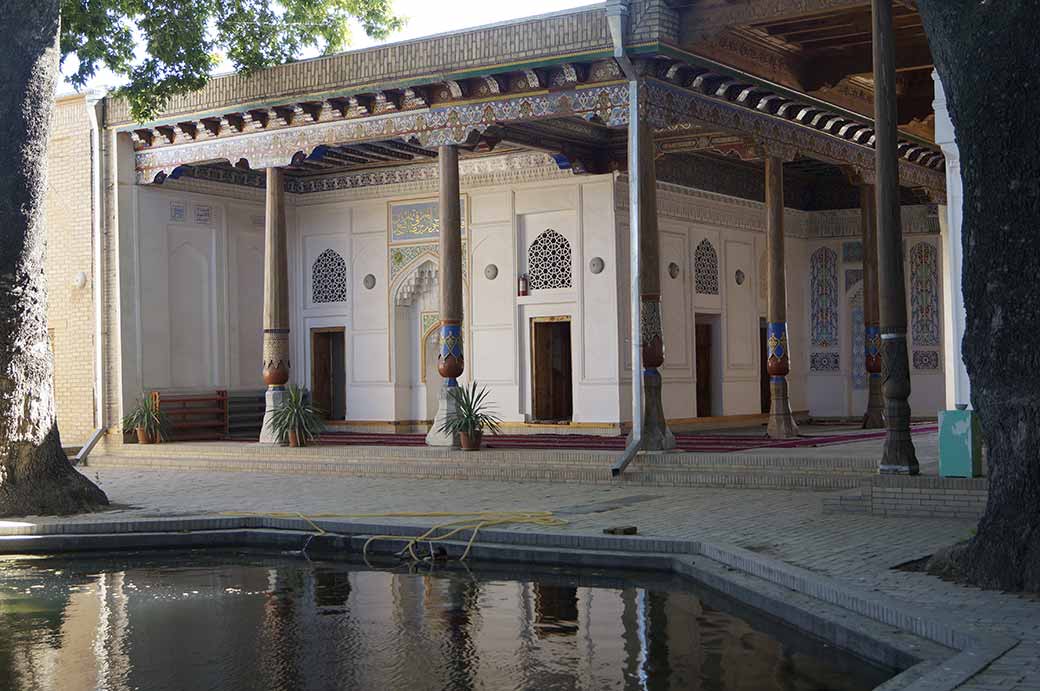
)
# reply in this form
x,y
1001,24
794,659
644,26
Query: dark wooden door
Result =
x,y
703,336
321,371
764,373
551,355
562,402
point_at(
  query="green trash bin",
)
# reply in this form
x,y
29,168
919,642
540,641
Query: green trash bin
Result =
x,y
960,444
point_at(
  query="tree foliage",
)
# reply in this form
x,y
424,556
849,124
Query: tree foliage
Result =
x,y
166,48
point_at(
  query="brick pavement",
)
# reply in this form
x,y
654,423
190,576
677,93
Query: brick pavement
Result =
x,y
857,549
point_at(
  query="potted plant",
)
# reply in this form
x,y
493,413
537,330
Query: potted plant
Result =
x,y
470,417
147,420
295,420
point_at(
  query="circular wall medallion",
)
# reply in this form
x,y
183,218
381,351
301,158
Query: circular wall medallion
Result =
x,y
491,272
369,281
596,265
673,270
739,276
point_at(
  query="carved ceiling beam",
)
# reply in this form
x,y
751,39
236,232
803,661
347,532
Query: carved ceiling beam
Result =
x,y
815,72
671,106
413,99
565,76
410,148
525,80
703,20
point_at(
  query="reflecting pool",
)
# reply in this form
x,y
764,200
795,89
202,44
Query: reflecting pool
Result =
x,y
190,621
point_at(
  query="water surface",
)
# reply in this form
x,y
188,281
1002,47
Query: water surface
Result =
x,y
230,620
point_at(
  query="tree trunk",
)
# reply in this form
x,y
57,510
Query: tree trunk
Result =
x,y
35,475
986,55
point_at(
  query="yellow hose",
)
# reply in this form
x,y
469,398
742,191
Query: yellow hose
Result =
x,y
470,520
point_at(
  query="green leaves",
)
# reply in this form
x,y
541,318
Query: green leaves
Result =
x,y
146,415
295,414
472,412
167,48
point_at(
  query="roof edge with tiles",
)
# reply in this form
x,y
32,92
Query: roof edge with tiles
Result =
x,y
523,42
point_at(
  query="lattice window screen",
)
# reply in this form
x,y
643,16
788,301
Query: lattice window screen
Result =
x,y
549,261
329,278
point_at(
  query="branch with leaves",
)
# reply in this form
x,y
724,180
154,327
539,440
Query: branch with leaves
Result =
x,y
167,48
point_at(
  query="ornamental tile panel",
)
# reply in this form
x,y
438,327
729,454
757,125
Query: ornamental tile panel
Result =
x,y
824,362
852,252
706,268
852,277
926,360
823,302
418,220
924,294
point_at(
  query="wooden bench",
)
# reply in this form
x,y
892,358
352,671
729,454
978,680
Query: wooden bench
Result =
x,y
194,416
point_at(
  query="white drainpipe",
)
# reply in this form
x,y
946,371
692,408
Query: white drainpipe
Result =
x,y
616,12
95,227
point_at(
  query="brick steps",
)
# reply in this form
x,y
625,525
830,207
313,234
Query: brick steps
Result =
x,y
919,497
683,470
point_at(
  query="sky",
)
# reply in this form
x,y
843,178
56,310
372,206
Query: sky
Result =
x,y
423,18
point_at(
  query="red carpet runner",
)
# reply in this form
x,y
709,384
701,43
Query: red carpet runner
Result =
x,y
701,443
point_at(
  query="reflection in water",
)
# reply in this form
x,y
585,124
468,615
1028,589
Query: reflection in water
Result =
x,y
206,620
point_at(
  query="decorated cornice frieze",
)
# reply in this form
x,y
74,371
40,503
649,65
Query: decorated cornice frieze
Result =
x,y
782,125
488,171
264,146
709,208
919,219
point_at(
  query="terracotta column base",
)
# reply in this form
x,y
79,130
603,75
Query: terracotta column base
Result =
x,y
781,421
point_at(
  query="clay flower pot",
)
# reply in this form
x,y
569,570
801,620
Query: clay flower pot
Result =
x,y
471,442
294,439
144,436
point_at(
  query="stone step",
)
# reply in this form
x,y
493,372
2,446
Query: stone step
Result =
x,y
777,462
473,469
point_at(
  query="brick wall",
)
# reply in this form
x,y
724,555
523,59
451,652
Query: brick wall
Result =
x,y
70,312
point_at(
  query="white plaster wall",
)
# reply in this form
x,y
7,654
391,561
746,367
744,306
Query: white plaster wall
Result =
x,y
383,352
199,287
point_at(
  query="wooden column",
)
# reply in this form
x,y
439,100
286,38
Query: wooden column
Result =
x,y
899,455
656,435
778,363
276,302
874,417
450,362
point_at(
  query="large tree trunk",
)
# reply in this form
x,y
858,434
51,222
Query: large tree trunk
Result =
x,y
986,54
35,475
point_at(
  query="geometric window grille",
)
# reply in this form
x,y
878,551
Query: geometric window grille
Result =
x,y
823,297
329,278
549,261
924,294
706,269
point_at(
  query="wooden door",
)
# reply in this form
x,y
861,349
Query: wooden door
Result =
x,y
321,371
551,361
562,403
703,336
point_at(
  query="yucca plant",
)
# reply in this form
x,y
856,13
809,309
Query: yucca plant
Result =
x,y
295,420
145,418
471,416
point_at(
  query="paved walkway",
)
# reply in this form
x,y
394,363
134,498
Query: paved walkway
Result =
x,y
786,525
